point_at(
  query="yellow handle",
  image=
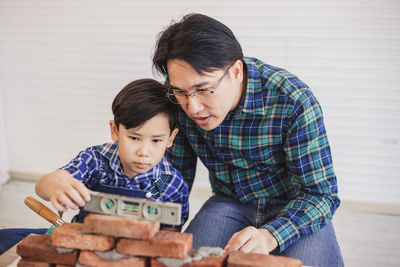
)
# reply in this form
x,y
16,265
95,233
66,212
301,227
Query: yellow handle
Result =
x,y
42,210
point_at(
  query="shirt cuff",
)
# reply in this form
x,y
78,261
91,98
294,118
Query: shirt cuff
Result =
x,y
284,231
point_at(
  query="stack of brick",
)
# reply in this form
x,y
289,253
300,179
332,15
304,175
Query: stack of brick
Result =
x,y
104,240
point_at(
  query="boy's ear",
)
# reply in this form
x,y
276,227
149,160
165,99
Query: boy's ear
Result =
x,y
172,137
114,131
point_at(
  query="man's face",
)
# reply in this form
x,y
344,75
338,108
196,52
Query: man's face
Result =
x,y
142,148
207,110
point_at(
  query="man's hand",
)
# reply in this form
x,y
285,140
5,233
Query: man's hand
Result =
x,y
251,239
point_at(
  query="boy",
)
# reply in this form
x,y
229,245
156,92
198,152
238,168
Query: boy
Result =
x,y
133,164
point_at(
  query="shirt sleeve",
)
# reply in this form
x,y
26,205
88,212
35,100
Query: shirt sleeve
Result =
x,y
83,167
309,166
183,158
177,192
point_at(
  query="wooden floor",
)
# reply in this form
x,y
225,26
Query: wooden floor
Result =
x,y
366,239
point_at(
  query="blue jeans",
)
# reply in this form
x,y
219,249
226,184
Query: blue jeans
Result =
x,y
220,217
11,236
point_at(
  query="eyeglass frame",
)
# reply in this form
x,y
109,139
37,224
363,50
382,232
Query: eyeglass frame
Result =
x,y
211,90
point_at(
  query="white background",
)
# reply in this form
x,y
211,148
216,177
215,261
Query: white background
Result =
x,y
62,63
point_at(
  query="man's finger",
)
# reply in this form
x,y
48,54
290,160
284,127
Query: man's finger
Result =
x,y
249,246
238,240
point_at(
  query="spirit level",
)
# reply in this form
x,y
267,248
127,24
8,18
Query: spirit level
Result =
x,y
138,208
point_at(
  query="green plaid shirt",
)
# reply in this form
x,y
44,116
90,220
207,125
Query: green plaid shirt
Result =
x,y
274,144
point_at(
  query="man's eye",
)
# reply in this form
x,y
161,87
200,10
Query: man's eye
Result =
x,y
203,90
178,92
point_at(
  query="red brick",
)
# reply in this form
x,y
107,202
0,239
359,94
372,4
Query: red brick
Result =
x,y
211,261
36,248
70,235
156,263
28,263
90,258
240,259
120,226
163,244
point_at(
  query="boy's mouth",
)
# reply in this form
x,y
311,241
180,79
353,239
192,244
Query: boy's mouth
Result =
x,y
141,165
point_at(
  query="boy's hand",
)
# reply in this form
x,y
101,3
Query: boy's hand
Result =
x,y
64,191
70,194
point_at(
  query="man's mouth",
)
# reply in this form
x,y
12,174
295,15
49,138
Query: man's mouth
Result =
x,y
201,120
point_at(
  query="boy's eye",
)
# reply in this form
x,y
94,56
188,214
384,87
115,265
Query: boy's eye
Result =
x,y
157,140
134,138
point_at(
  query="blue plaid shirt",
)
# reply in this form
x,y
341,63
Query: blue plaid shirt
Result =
x,y
102,164
274,144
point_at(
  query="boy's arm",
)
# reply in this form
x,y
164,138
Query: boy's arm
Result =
x,y
63,190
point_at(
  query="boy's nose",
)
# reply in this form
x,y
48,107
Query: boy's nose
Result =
x,y
143,151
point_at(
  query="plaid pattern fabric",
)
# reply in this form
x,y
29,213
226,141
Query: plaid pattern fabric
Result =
x,y
102,163
273,145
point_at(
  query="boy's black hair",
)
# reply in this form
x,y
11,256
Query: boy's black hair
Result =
x,y
203,42
141,100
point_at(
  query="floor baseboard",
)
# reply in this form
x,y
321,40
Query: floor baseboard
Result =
x,y
358,206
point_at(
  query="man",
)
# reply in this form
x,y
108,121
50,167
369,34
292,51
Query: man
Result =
x,y
259,130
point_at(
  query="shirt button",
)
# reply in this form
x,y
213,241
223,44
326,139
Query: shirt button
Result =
x,y
148,194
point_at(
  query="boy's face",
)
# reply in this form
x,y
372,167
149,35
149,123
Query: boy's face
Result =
x,y
142,148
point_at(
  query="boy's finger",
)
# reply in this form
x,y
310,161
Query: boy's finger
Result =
x,y
75,197
83,190
58,206
67,202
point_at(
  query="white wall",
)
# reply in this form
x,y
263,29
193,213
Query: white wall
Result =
x,y
62,62
4,175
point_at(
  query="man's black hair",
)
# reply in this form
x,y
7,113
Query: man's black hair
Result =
x,y
203,42
141,100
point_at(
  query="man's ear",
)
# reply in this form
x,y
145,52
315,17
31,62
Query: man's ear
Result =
x,y
237,70
114,131
172,137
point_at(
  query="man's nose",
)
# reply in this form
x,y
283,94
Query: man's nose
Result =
x,y
193,105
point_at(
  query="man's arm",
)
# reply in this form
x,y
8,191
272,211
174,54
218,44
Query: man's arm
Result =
x,y
310,171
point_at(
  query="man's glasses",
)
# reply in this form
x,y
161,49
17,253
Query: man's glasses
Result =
x,y
178,96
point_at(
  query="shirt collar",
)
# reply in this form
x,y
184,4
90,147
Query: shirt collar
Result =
x,y
253,101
